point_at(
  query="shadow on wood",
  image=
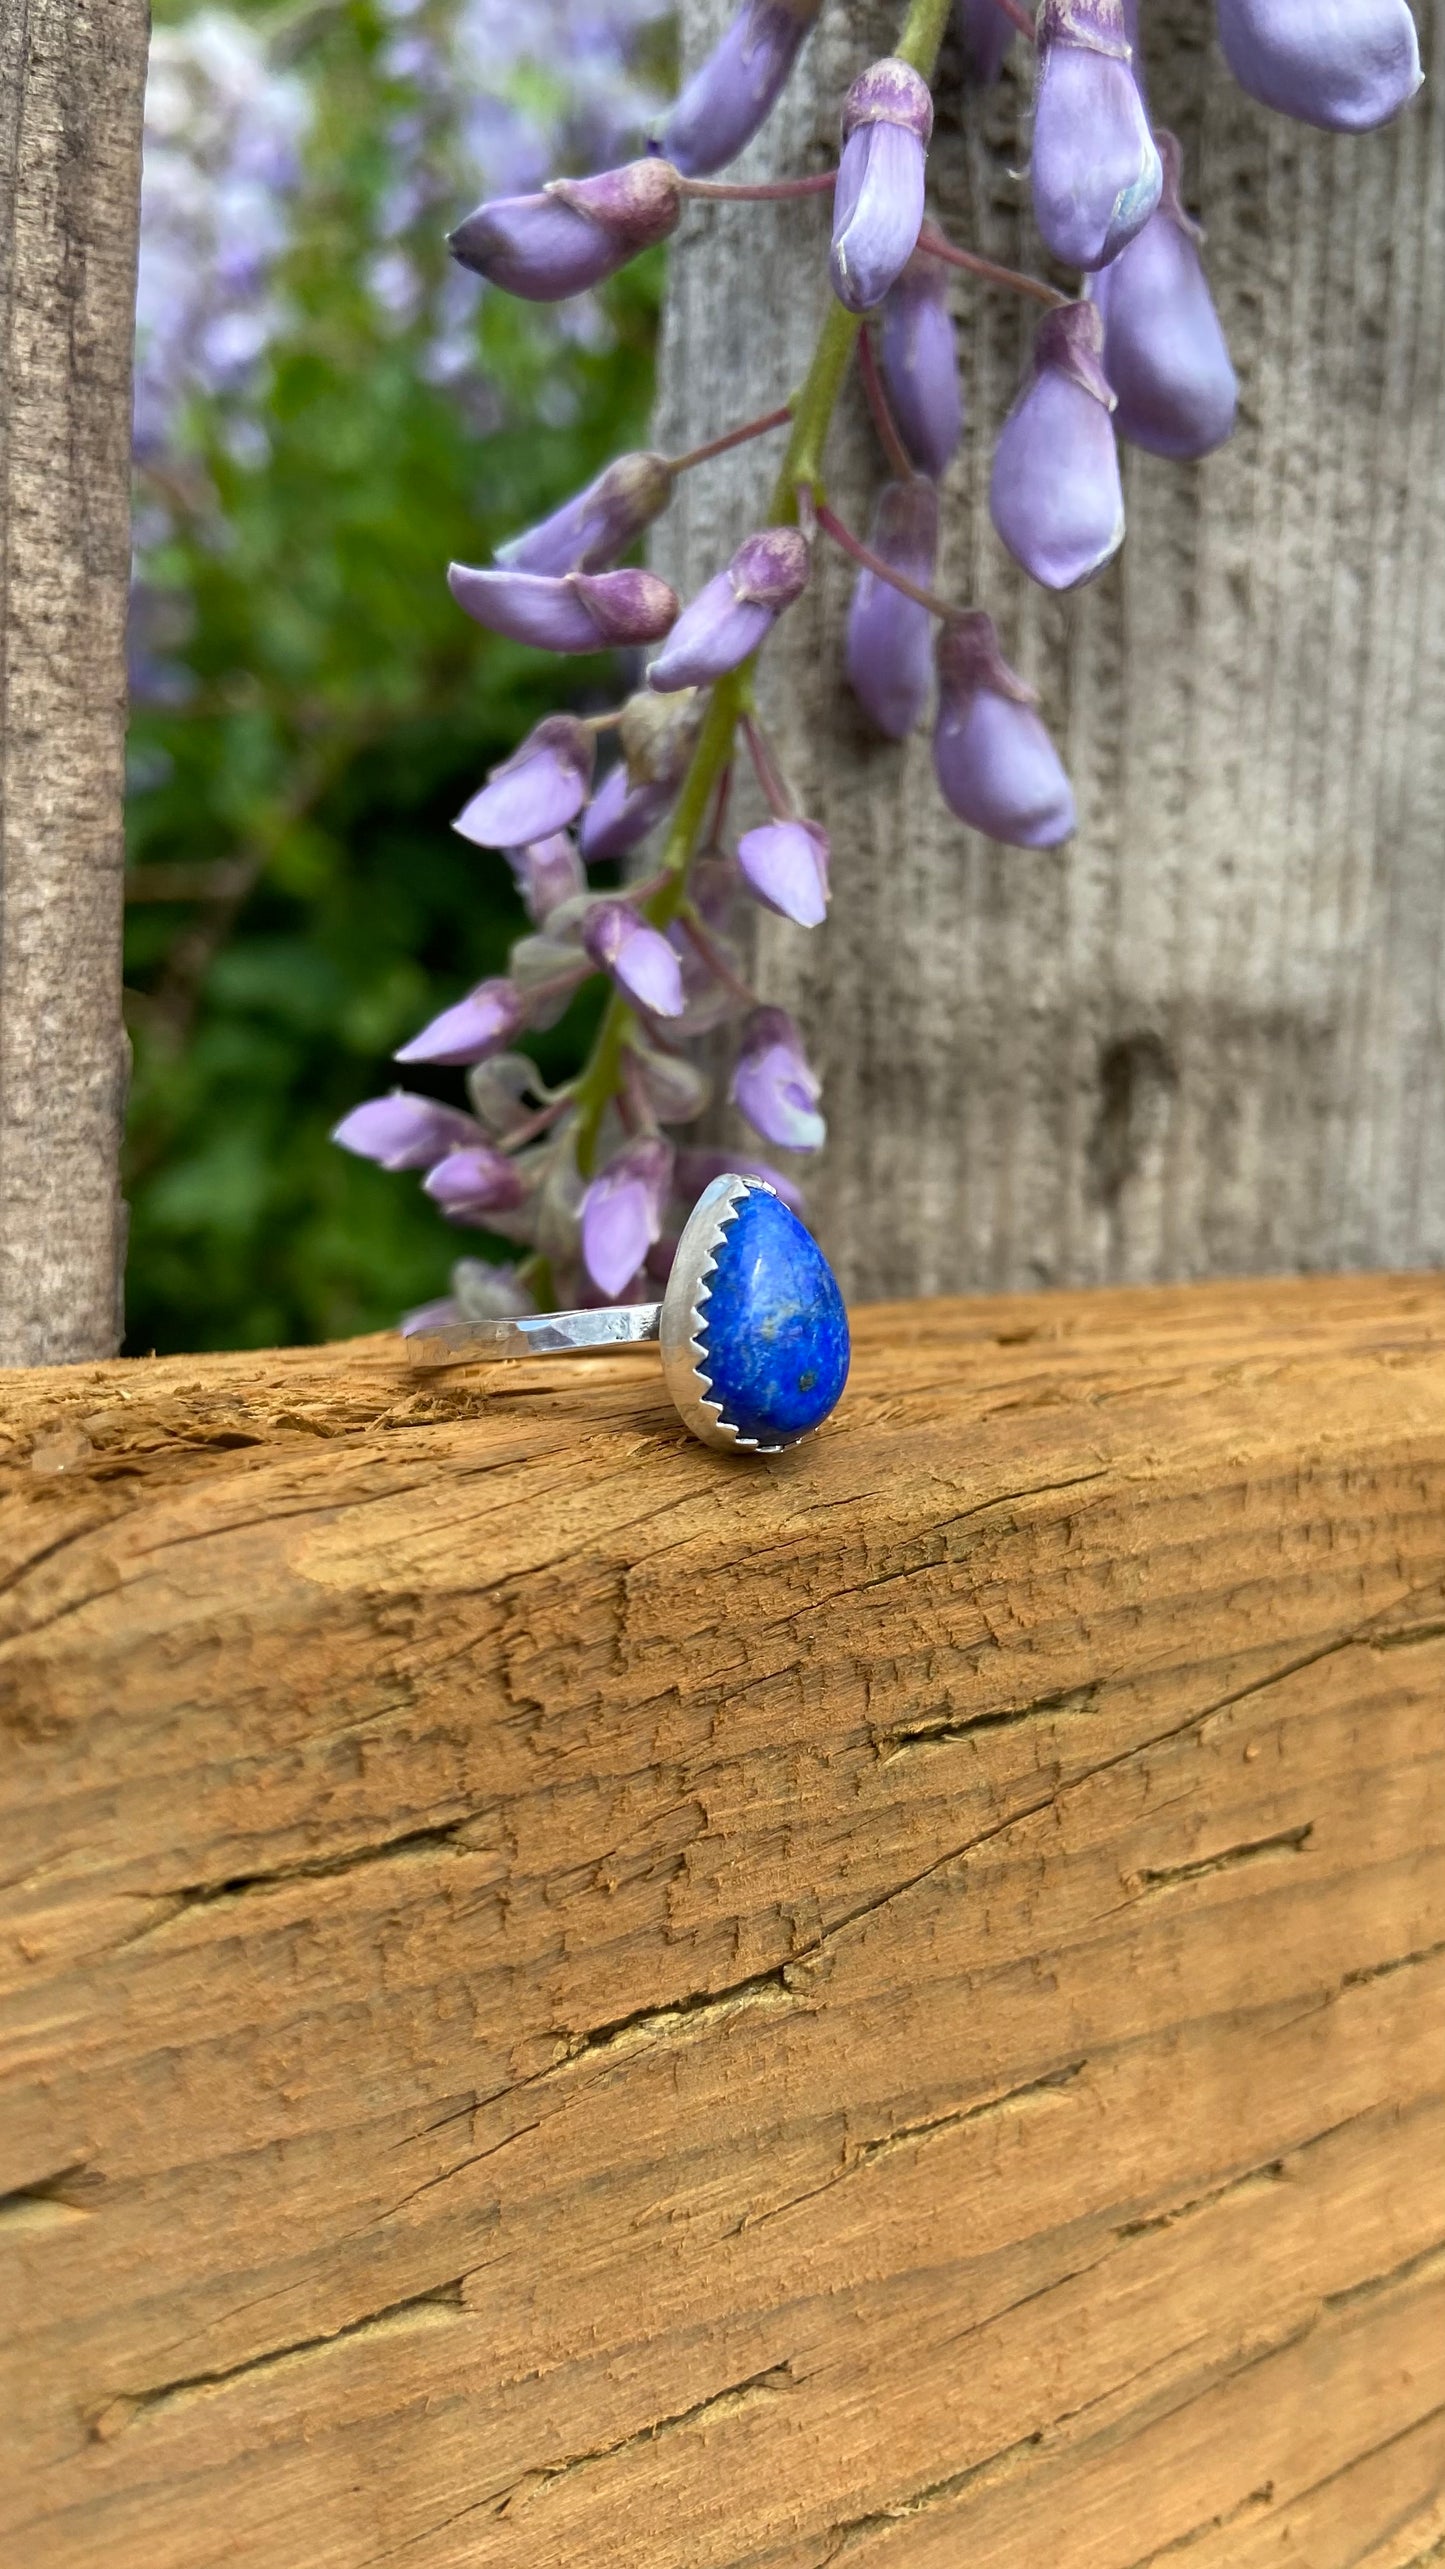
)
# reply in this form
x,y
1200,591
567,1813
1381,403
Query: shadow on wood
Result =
x,y
570,2001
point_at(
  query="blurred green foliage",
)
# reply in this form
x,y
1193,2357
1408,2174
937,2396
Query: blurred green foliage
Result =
x,y
335,711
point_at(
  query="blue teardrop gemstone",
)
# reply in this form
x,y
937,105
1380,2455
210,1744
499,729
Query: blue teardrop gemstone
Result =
x,y
774,1331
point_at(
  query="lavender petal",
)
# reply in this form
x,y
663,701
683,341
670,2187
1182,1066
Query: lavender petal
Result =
x,y
537,791
889,652
1348,66
404,1132
733,92
785,866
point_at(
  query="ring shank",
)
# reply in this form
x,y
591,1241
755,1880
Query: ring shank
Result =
x,y
535,1333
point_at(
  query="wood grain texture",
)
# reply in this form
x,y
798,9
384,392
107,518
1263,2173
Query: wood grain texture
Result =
x,y
72,77
1205,1037
567,2001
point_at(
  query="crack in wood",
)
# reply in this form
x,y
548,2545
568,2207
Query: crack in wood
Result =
x,y
695,2012
1301,2497
1197,2533
679,2018
1229,1860
1413,1637
442,2306
322,1868
775,2379
912,2135
996,2469
44,2206
1018,2454
1426,2266
1385,1970
1268,2172
513,2501
1066,1702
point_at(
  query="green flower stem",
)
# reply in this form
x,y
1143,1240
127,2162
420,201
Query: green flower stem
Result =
x,y
813,412
598,1084
922,35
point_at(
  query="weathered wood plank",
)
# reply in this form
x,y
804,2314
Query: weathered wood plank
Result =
x,y
566,2001
1204,1038
72,82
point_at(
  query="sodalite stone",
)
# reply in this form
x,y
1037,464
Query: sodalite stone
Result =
x,y
774,1331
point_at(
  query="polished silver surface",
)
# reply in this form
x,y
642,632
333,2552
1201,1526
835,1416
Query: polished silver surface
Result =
x,y
536,1333
683,1308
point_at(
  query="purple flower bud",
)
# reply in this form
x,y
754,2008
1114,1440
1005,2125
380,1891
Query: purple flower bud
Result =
x,y
622,1211
539,789
657,740
594,529
572,235
404,1132
470,1184
505,1091
713,883
697,1169
657,735
878,203
558,1200
548,969
534,246
675,1089
1096,173
715,632
919,355
774,1086
639,958
427,1316
582,612
1164,351
548,871
890,638
734,91
996,765
620,815
1055,496
985,32
484,1022
725,623
708,1002
1343,64
785,865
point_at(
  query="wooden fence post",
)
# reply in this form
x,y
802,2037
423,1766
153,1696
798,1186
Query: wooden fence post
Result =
x,y
72,82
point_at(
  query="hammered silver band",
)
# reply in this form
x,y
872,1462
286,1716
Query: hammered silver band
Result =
x,y
537,1333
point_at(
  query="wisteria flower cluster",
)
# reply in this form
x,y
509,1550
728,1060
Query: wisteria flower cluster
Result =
x,y
228,113
591,1180
224,131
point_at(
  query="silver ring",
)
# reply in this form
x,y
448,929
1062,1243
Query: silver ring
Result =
x,y
752,1326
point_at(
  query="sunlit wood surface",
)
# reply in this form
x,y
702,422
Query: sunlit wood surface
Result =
x,y
573,2003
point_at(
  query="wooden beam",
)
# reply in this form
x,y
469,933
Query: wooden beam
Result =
x,y
570,2003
